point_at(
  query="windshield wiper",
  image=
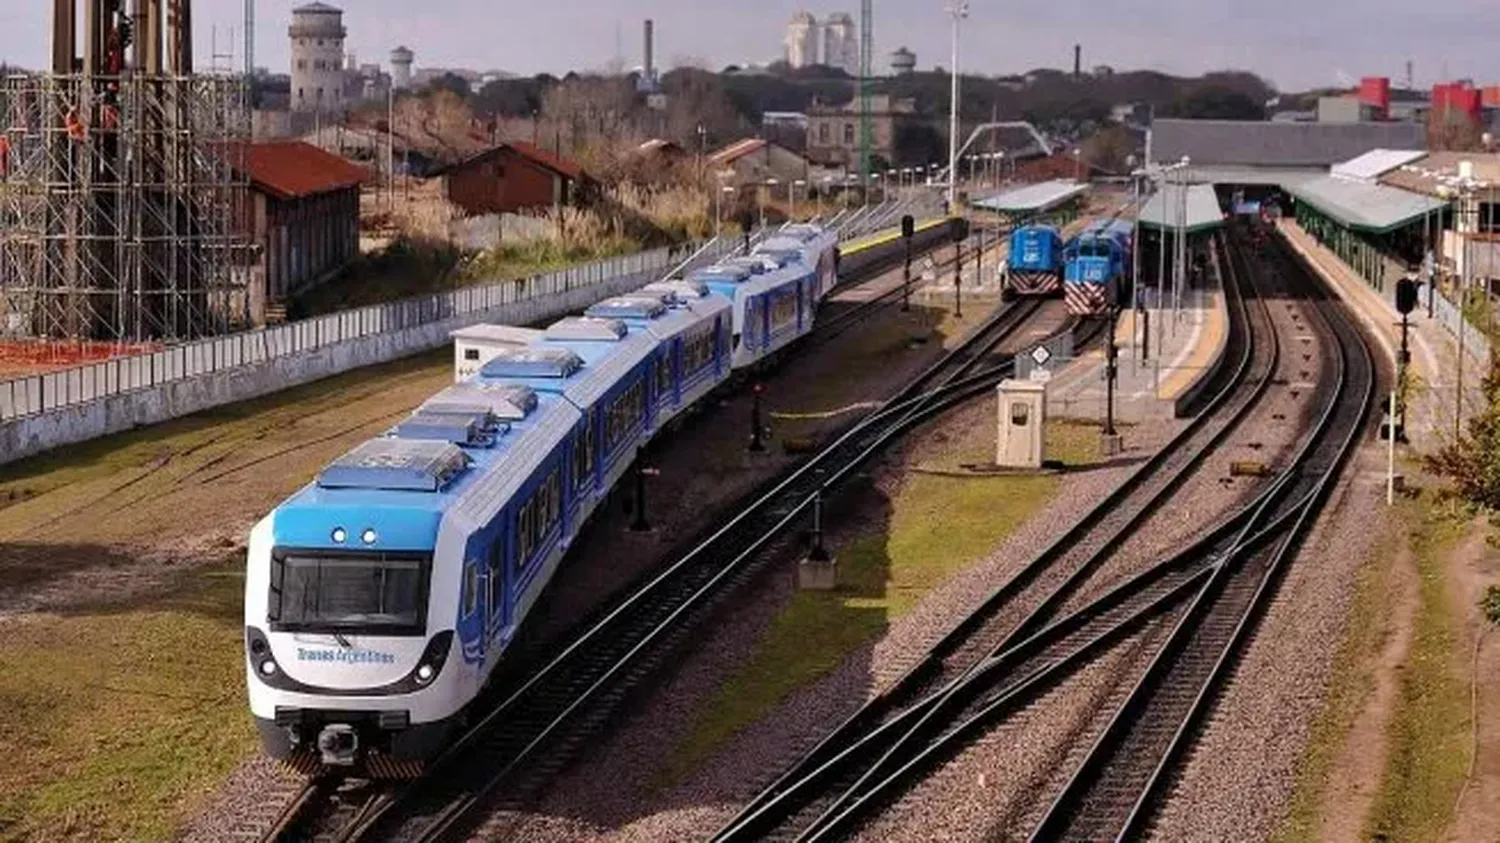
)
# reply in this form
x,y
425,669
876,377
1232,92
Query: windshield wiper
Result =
x,y
343,642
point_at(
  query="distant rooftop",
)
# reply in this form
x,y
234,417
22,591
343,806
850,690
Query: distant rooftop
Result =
x,y
1034,198
1276,144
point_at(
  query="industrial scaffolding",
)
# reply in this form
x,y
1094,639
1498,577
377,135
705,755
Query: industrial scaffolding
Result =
x,y
123,198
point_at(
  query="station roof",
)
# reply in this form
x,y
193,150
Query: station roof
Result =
x,y
1375,163
1233,174
1033,198
1376,208
1277,144
1162,209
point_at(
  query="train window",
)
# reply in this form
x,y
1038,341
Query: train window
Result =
x,y
624,415
314,592
537,517
663,367
784,310
697,352
1020,413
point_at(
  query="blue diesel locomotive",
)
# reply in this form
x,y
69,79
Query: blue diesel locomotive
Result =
x,y
1097,266
1033,266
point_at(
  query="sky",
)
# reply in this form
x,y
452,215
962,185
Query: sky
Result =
x,y
1296,44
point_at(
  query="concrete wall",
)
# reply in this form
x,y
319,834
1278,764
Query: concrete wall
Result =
x,y
33,434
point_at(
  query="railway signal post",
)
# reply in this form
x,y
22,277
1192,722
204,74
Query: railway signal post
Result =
x,y
1406,302
960,233
908,229
756,445
1110,439
640,524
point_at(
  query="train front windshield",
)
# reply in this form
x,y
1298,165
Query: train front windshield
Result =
x,y
375,594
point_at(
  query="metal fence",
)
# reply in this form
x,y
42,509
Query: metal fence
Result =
x,y
37,394
1474,341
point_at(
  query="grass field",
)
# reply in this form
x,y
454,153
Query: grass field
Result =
x,y
1348,685
936,527
124,706
118,721
1429,731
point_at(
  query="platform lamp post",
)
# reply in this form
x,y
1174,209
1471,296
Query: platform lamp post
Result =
x,y
958,9
791,196
760,196
1135,257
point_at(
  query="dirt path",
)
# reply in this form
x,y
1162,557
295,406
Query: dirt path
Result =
x,y
1354,780
1473,567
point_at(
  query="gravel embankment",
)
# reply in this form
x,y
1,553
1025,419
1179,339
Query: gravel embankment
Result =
x,y
1237,784
593,794
1199,502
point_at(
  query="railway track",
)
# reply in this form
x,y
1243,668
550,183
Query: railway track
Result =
x,y
856,754
1205,596
536,724
1120,783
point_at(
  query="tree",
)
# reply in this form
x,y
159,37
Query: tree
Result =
x,y
451,82
1472,461
1454,131
1216,102
918,143
1110,148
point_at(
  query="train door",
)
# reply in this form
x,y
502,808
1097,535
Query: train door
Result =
x,y
497,607
471,605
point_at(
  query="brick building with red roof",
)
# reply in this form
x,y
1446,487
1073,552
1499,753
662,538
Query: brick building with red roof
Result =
x,y
303,216
515,176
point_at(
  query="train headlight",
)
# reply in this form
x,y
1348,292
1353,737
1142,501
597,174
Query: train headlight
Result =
x,y
424,673
368,536
339,535
268,666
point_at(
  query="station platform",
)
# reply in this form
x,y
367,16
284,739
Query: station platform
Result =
x,y
1433,341
1183,344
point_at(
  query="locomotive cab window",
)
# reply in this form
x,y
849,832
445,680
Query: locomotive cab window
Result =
x,y
471,354
325,591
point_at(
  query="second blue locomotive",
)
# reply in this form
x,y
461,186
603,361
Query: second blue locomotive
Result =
x,y
1097,266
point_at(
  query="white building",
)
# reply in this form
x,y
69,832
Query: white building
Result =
x,y
318,76
841,43
802,40
401,59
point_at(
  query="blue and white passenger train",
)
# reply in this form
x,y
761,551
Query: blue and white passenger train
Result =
x,y
380,597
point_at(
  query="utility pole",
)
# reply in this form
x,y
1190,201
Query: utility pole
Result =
x,y
959,9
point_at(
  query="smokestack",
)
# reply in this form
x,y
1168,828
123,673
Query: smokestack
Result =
x,y
1077,60
646,67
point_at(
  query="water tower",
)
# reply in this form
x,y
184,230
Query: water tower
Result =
x,y
401,59
317,34
903,61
